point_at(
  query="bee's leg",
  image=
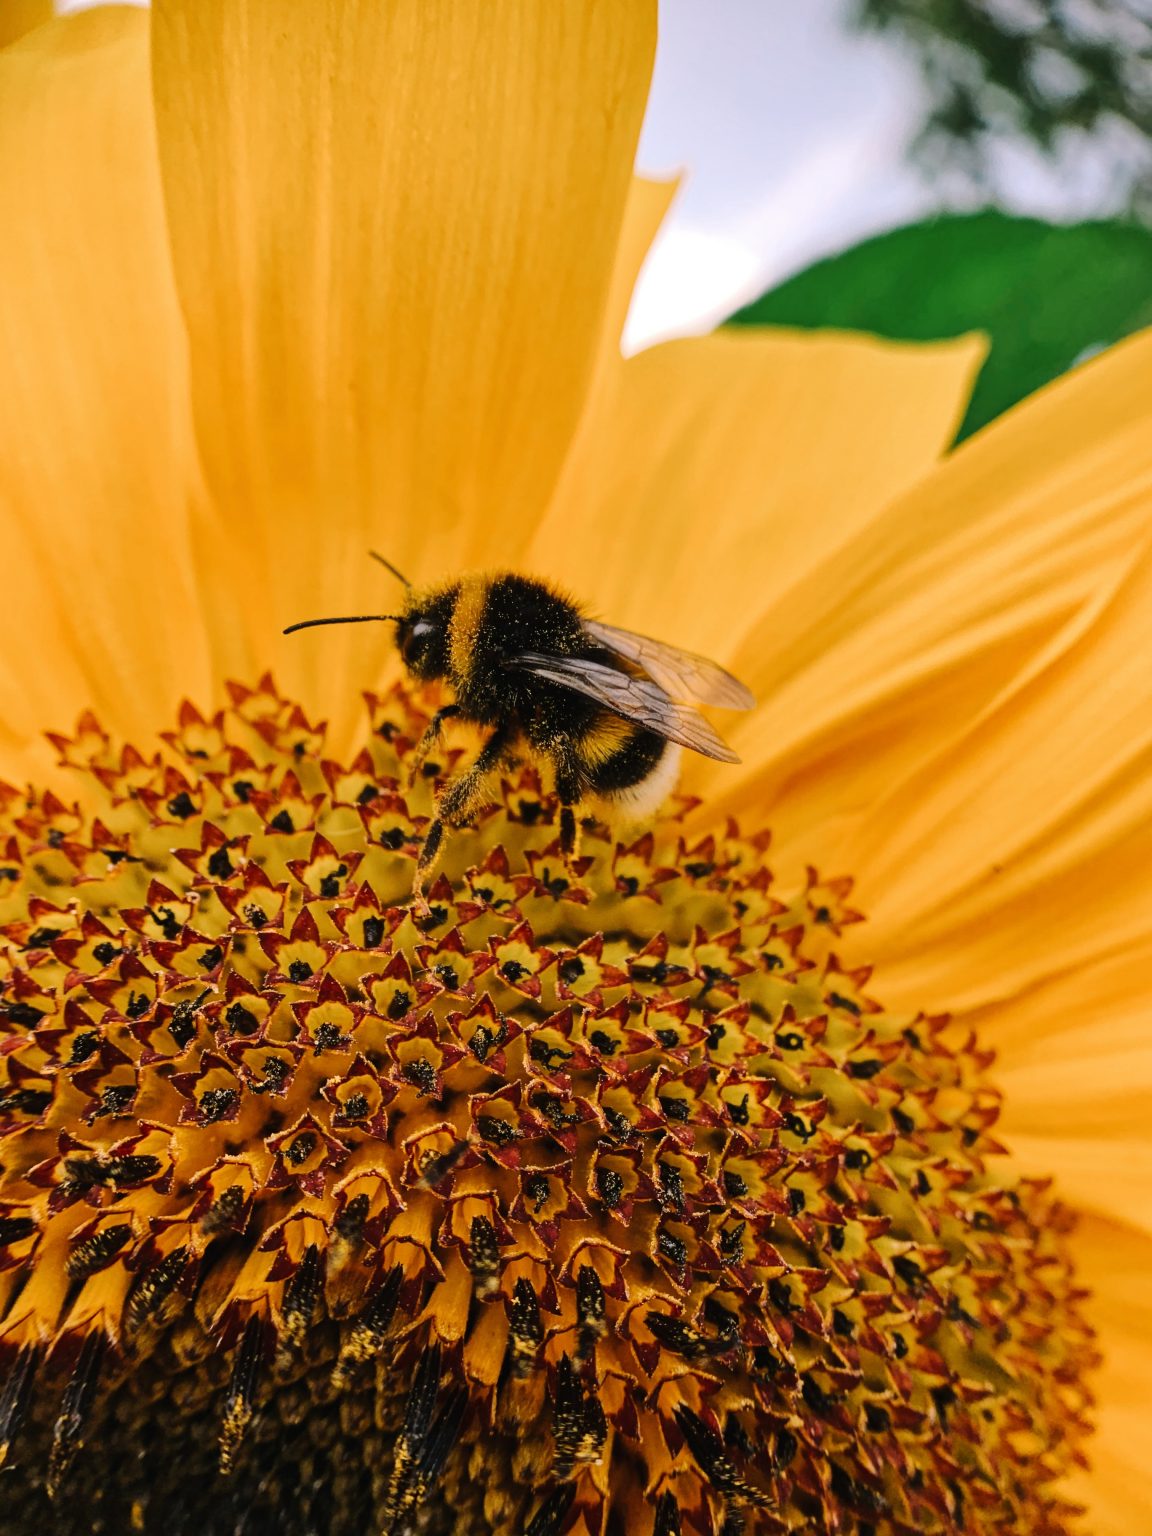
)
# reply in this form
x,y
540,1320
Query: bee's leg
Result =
x,y
426,862
429,739
457,805
569,791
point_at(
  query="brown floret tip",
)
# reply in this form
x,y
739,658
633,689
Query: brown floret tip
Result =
x,y
602,1199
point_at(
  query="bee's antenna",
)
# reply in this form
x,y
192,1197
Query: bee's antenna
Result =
x,y
350,618
388,566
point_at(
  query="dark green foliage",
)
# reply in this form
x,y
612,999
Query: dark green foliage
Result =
x,y
1043,294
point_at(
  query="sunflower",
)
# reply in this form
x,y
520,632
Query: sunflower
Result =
x,y
652,1191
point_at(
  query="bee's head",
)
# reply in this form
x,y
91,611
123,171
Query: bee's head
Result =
x,y
422,634
421,630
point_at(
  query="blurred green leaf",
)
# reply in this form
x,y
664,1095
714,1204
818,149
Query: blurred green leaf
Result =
x,y
1045,294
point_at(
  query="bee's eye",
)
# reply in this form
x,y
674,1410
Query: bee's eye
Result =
x,y
416,640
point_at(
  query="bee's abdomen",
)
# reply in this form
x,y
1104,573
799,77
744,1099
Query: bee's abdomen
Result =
x,y
619,756
638,776
635,773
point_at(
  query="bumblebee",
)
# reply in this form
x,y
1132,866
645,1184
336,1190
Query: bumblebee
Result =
x,y
606,708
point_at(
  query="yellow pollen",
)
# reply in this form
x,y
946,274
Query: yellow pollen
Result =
x,y
467,615
602,1199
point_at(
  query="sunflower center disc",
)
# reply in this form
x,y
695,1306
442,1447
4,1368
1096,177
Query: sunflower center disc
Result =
x,y
603,1199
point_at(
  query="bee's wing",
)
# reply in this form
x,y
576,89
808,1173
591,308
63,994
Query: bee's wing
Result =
x,y
682,674
636,698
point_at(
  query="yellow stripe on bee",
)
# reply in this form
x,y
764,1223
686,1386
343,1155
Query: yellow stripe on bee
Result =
x,y
604,739
466,620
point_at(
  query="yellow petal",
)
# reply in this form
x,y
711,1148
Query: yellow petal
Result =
x,y
716,470
1074,1058
1116,1262
20,16
890,654
1109,1173
96,450
646,209
394,228
1027,845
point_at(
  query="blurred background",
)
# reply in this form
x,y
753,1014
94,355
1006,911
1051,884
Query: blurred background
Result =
x,y
804,126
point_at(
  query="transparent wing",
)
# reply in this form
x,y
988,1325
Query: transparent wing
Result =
x,y
635,698
682,674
